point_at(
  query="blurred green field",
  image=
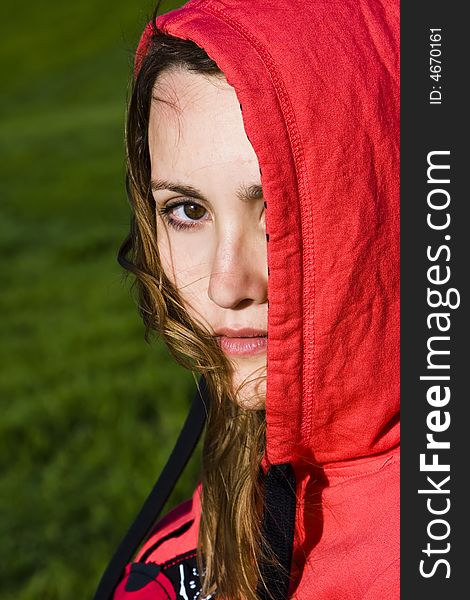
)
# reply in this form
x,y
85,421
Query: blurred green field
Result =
x,y
89,411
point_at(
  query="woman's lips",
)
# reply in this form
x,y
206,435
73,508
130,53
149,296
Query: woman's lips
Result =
x,y
243,346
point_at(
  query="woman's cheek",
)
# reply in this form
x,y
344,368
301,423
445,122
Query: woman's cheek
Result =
x,y
191,273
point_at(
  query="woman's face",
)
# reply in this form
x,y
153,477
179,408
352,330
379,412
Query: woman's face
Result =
x,y
210,217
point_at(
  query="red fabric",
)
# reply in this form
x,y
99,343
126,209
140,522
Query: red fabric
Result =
x,y
318,82
184,513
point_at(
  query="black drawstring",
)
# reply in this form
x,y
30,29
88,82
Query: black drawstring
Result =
x,y
159,495
278,532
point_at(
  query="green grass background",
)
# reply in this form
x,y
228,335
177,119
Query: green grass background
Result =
x,y
89,411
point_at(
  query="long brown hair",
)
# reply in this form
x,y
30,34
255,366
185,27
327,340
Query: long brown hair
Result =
x,y
229,543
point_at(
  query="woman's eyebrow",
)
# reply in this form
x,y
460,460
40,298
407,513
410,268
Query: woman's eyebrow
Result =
x,y
253,191
245,192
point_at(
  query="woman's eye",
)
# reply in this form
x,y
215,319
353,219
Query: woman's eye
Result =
x,y
183,215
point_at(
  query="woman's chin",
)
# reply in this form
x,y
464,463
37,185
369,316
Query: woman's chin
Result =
x,y
250,385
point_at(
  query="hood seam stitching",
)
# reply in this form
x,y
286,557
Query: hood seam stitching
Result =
x,y
308,299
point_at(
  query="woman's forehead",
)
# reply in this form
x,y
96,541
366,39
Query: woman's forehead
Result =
x,y
196,128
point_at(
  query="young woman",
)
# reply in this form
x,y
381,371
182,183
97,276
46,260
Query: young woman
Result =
x,y
263,175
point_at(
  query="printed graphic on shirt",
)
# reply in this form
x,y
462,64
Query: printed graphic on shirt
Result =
x,y
184,576
179,574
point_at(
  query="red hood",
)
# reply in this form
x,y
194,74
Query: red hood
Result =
x,y
318,82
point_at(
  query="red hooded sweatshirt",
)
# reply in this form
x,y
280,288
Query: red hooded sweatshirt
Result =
x,y
318,85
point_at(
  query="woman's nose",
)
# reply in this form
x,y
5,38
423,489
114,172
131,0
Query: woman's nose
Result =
x,y
239,273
